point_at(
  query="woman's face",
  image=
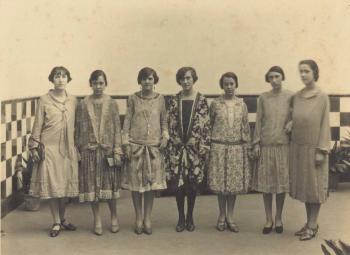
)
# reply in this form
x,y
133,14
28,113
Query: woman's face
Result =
x,y
98,85
275,79
306,74
187,81
229,86
60,80
147,84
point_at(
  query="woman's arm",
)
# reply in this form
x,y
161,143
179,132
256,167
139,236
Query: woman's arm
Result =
x,y
37,126
258,122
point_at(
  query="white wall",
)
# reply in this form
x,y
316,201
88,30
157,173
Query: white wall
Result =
x,y
121,37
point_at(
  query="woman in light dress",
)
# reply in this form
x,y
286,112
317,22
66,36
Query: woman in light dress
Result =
x,y
229,171
271,147
310,144
55,172
145,135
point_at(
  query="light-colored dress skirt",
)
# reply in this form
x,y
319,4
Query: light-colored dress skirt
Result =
x,y
271,174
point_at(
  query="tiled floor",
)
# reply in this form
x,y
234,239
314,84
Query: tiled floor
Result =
x,y
27,232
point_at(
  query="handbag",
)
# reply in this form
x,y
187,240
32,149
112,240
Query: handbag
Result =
x,y
40,149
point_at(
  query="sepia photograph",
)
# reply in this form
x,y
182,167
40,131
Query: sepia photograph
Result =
x,y
175,127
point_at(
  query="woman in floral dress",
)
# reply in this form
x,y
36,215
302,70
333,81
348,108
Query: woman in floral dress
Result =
x,y
55,174
98,138
309,147
229,166
145,135
271,147
189,130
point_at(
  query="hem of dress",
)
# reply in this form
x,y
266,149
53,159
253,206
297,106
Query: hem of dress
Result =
x,y
47,196
303,200
271,191
220,192
104,195
143,189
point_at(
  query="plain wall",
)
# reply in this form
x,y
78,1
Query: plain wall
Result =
x,y
121,37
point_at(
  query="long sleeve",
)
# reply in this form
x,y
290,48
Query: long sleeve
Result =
x,y
324,137
245,126
212,114
77,129
127,120
206,128
258,122
164,120
37,126
117,129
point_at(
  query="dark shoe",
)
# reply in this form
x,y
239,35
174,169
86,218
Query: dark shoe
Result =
x,y
68,226
221,226
190,225
308,234
267,230
55,230
232,226
180,226
279,229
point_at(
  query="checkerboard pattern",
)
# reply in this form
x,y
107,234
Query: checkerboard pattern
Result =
x,y
17,117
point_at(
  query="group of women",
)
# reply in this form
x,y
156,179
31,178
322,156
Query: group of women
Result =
x,y
80,148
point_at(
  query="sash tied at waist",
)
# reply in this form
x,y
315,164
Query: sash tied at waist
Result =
x,y
144,154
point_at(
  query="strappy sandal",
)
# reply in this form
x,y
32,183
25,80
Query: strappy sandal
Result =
x,y
54,231
301,231
68,226
308,234
221,225
232,226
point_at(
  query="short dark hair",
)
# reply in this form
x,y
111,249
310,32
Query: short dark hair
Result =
x,y
228,75
145,72
313,65
276,69
97,73
183,70
59,69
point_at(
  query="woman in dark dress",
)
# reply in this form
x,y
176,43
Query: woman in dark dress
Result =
x,y
188,146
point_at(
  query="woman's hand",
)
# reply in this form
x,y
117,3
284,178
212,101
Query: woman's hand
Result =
x,y
319,158
288,127
34,155
118,159
127,151
163,144
257,151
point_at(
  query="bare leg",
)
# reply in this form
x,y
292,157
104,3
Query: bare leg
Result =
x,y
112,204
54,207
231,200
95,206
62,208
314,209
222,207
307,207
137,201
148,205
268,209
279,208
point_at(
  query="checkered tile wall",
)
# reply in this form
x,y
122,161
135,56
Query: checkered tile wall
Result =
x,y
17,117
